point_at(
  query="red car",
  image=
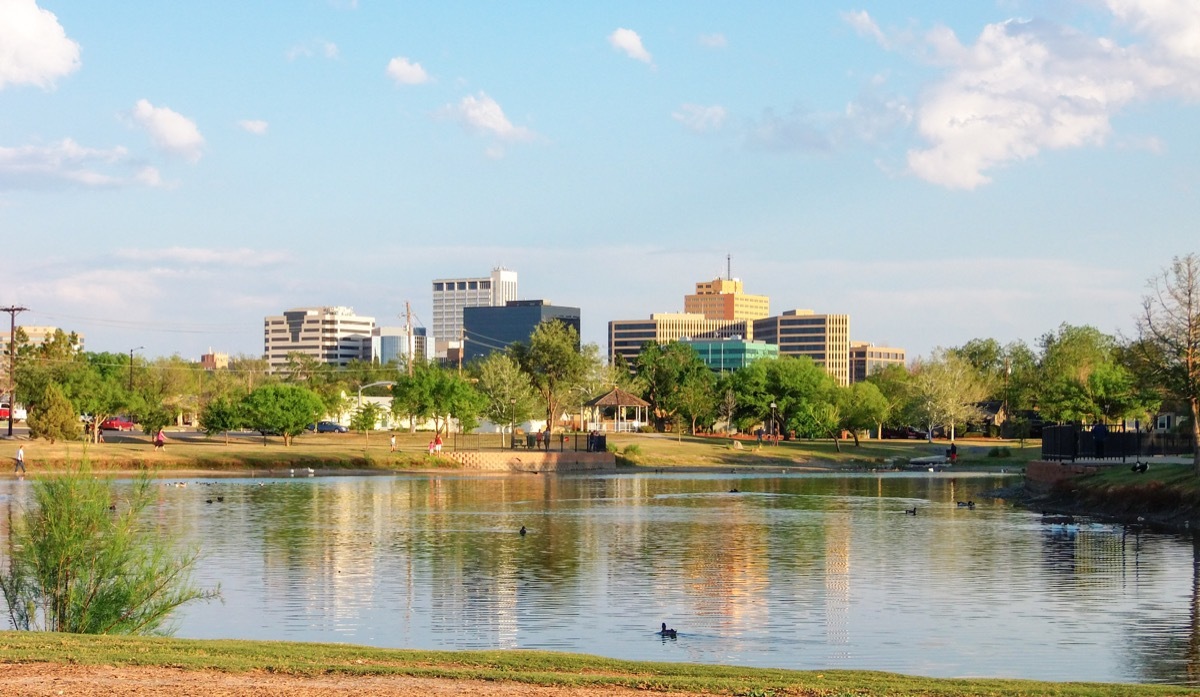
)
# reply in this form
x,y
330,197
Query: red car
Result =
x,y
116,423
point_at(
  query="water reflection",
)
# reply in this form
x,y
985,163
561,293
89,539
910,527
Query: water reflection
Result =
x,y
795,571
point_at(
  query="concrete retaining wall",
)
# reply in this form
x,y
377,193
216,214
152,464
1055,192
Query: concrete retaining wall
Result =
x,y
534,461
1041,476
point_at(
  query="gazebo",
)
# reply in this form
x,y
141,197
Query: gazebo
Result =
x,y
620,401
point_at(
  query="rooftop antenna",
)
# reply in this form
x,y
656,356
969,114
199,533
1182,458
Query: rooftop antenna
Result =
x,y
729,267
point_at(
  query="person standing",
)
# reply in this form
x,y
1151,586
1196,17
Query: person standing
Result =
x,y
392,442
20,466
1099,435
437,444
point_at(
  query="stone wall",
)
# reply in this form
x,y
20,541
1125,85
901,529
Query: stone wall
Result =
x,y
1041,476
522,461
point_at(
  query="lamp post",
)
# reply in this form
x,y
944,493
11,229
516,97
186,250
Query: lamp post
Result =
x,y
512,424
12,311
139,348
371,384
774,425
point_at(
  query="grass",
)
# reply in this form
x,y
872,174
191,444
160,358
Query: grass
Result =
x,y
353,451
531,667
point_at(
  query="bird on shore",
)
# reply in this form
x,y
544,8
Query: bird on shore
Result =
x,y
910,511
668,633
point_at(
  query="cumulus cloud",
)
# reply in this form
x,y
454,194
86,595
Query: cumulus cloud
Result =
x,y
700,118
405,72
69,164
628,42
481,113
713,40
169,130
256,126
34,48
242,257
1023,87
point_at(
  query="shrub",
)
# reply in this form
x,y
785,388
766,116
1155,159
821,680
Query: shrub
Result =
x,y
999,451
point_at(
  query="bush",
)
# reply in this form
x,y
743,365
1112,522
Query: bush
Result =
x,y
632,450
999,451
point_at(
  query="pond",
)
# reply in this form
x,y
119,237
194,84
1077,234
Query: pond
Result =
x,y
805,571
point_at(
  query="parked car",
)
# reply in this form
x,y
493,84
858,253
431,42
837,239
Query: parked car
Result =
x,y
18,414
329,427
117,423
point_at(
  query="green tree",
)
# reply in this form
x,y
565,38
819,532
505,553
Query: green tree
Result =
x,y
945,390
99,387
1169,327
54,418
412,395
861,407
1081,378
76,566
366,419
666,371
283,409
894,382
509,396
221,415
554,364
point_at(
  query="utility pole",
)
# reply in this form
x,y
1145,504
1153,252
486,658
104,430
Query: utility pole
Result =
x,y
411,347
139,348
12,311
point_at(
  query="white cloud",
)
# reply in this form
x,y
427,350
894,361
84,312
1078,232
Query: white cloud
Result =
x,y
862,23
169,130
242,257
700,118
316,47
66,164
482,114
713,40
34,48
628,42
405,72
256,126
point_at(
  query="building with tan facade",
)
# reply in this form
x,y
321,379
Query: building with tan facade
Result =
x,y
627,337
823,338
333,335
866,359
724,298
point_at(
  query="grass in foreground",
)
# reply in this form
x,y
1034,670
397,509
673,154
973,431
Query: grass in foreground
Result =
x,y
532,667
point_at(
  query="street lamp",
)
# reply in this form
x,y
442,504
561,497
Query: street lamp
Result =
x,y
371,384
139,348
774,425
512,424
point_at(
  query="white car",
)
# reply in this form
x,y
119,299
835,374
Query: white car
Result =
x,y
18,414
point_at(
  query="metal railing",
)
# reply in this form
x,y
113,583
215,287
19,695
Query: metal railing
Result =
x,y
559,442
1070,442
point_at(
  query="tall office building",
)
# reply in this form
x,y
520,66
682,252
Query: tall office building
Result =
x,y
866,359
823,338
728,355
451,295
626,337
488,329
392,344
723,298
333,335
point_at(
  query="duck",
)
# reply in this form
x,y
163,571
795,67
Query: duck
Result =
x,y
1139,467
668,633
734,490
910,511
523,531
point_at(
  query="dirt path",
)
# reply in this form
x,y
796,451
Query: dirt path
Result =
x,y
56,679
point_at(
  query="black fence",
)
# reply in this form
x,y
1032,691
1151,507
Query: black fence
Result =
x,y
558,442
1071,442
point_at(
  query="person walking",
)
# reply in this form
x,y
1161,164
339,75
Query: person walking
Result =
x,y
437,444
20,466
392,442
160,440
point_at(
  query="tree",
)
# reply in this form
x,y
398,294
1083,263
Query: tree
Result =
x,y
54,417
221,415
1081,378
99,388
366,418
75,565
554,364
727,407
282,409
509,396
861,406
945,390
895,384
672,375
1169,325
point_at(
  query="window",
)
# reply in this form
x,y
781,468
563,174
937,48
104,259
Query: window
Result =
x,y
438,286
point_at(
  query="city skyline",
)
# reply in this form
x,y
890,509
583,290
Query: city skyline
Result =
x,y
170,175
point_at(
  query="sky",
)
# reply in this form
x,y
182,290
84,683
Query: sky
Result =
x,y
171,173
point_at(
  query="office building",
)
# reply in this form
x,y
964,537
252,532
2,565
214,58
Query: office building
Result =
x,y
214,361
390,344
723,298
727,355
333,335
823,338
866,359
451,295
626,337
488,329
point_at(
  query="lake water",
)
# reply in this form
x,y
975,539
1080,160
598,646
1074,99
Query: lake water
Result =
x,y
804,571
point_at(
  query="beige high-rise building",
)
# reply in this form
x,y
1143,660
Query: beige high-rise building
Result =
x,y
333,335
626,337
866,359
724,298
823,338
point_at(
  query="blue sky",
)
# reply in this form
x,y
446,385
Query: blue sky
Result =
x,y
171,173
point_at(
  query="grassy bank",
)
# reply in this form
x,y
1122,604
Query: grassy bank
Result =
x,y
531,667
1166,494
353,451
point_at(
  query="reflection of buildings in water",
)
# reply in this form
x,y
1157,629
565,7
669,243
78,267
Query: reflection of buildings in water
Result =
x,y
837,580
726,566
1089,553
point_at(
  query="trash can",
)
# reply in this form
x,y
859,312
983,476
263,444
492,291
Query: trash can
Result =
x,y
530,441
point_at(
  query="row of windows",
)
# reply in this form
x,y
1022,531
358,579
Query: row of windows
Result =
x,y
442,286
